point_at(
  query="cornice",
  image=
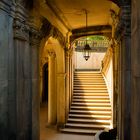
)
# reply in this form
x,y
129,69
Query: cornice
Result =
x,y
8,7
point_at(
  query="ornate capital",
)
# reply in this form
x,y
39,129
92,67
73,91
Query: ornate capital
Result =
x,y
21,30
35,37
68,52
51,54
124,25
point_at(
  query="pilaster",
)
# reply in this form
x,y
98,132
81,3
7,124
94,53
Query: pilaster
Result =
x,y
135,52
23,73
67,82
34,97
123,34
7,73
52,99
61,104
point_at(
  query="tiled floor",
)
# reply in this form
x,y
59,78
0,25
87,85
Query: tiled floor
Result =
x,y
53,134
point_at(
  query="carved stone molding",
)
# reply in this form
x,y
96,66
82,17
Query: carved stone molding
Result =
x,y
63,75
21,30
35,37
48,30
67,53
4,6
51,54
124,25
27,4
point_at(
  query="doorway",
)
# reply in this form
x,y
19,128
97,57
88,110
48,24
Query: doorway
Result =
x,y
45,84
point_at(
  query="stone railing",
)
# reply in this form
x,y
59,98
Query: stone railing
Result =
x,y
107,71
106,61
93,43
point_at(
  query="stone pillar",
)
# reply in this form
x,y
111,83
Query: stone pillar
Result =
x,y
135,52
52,89
35,98
23,75
125,58
61,104
7,73
70,79
67,83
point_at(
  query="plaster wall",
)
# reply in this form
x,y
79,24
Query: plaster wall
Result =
x,y
94,62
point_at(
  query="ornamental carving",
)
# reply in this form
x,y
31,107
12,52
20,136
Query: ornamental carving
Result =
x,y
35,37
51,54
48,30
21,30
124,25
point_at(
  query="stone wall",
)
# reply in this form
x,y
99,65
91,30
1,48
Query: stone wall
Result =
x,y
94,62
19,44
135,66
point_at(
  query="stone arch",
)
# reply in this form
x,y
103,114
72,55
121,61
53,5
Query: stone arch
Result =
x,y
52,51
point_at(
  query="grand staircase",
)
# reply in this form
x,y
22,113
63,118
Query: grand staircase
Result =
x,y
90,109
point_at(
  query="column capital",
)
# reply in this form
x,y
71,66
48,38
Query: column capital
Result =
x,y
51,54
21,29
124,25
63,75
35,37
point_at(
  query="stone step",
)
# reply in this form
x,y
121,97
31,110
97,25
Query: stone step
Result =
x,y
96,112
90,85
91,100
87,78
88,75
90,108
89,90
75,120
92,116
87,126
91,97
89,104
98,72
79,131
90,93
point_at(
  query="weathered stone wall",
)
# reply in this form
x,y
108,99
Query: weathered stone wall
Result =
x,y
7,74
19,102
135,52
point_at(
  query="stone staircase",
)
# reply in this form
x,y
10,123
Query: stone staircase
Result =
x,y
90,109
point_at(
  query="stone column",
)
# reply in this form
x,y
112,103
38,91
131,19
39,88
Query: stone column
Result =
x,y
70,79
52,89
125,58
135,52
7,73
67,83
61,104
35,98
23,75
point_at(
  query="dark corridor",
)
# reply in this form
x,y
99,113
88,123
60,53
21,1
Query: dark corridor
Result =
x,y
45,84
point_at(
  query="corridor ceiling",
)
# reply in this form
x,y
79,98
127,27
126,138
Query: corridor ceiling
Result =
x,y
71,14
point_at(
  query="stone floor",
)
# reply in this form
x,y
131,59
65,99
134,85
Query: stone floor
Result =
x,y
52,133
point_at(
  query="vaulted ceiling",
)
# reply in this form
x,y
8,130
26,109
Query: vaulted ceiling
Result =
x,y
70,13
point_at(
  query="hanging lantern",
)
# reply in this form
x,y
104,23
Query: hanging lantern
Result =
x,y
86,52
87,49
